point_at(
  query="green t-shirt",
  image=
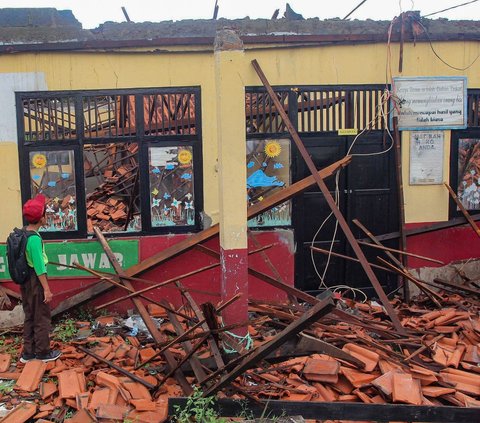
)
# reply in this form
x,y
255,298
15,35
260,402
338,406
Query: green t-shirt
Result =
x,y
36,256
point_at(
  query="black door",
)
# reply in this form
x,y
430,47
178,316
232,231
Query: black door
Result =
x,y
366,191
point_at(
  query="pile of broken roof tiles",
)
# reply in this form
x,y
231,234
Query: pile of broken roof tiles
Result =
x,y
436,363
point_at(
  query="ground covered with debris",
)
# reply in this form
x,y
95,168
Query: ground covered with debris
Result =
x,y
333,350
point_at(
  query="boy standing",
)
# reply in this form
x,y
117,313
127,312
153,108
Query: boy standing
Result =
x,y
35,291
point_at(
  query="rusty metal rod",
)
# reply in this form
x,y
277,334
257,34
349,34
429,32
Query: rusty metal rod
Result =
x,y
463,209
117,368
185,335
326,252
142,310
168,281
436,298
331,202
424,347
101,275
393,250
119,285
158,285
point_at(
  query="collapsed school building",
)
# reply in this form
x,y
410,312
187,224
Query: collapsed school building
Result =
x,y
271,167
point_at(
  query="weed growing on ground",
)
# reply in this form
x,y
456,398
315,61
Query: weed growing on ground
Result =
x,y
198,409
7,347
65,330
6,386
68,414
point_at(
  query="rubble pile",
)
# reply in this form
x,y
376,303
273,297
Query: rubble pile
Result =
x,y
351,354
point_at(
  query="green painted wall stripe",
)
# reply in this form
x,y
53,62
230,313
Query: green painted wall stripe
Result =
x,y
87,253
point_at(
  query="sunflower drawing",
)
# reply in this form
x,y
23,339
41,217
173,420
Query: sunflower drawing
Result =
x,y
273,148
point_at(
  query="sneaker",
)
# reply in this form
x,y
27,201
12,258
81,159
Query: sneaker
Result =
x,y
25,358
50,356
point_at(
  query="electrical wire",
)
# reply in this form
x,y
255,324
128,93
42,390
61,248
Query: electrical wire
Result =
x,y
438,56
389,94
450,8
323,286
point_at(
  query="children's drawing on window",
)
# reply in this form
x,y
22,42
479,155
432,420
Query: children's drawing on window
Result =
x,y
171,186
268,171
468,189
52,174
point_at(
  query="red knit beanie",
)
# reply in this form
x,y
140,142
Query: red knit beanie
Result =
x,y
34,209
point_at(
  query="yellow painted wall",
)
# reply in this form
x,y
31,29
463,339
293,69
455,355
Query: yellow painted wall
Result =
x,y
330,65
425,203
10,214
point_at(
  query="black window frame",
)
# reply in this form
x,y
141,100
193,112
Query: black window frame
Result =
x,y
144,141
472,131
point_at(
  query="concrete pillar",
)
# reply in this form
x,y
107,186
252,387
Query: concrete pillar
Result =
x,y
230,99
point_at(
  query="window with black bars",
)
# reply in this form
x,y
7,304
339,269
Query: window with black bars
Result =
x,y
473,108
318,109
124,161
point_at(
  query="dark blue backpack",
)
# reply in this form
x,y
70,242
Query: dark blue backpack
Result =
x,y
16,255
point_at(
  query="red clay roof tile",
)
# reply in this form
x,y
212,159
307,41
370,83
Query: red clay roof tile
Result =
x,y
406,389
71,383
21,413
5,360
31,375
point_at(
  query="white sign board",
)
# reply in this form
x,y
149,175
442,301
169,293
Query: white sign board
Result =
x,y
426,157
431,103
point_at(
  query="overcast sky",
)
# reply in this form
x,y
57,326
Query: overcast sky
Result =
x,y
93,12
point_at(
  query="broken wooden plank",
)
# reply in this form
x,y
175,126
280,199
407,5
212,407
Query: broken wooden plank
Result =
x,y
188,357
317,311
151,326
186,334
331,203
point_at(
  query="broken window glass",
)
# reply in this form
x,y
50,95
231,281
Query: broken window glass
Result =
x,y
52,174
171,186
468,187
112,187
268,171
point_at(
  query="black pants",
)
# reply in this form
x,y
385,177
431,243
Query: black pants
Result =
x,y
36,328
